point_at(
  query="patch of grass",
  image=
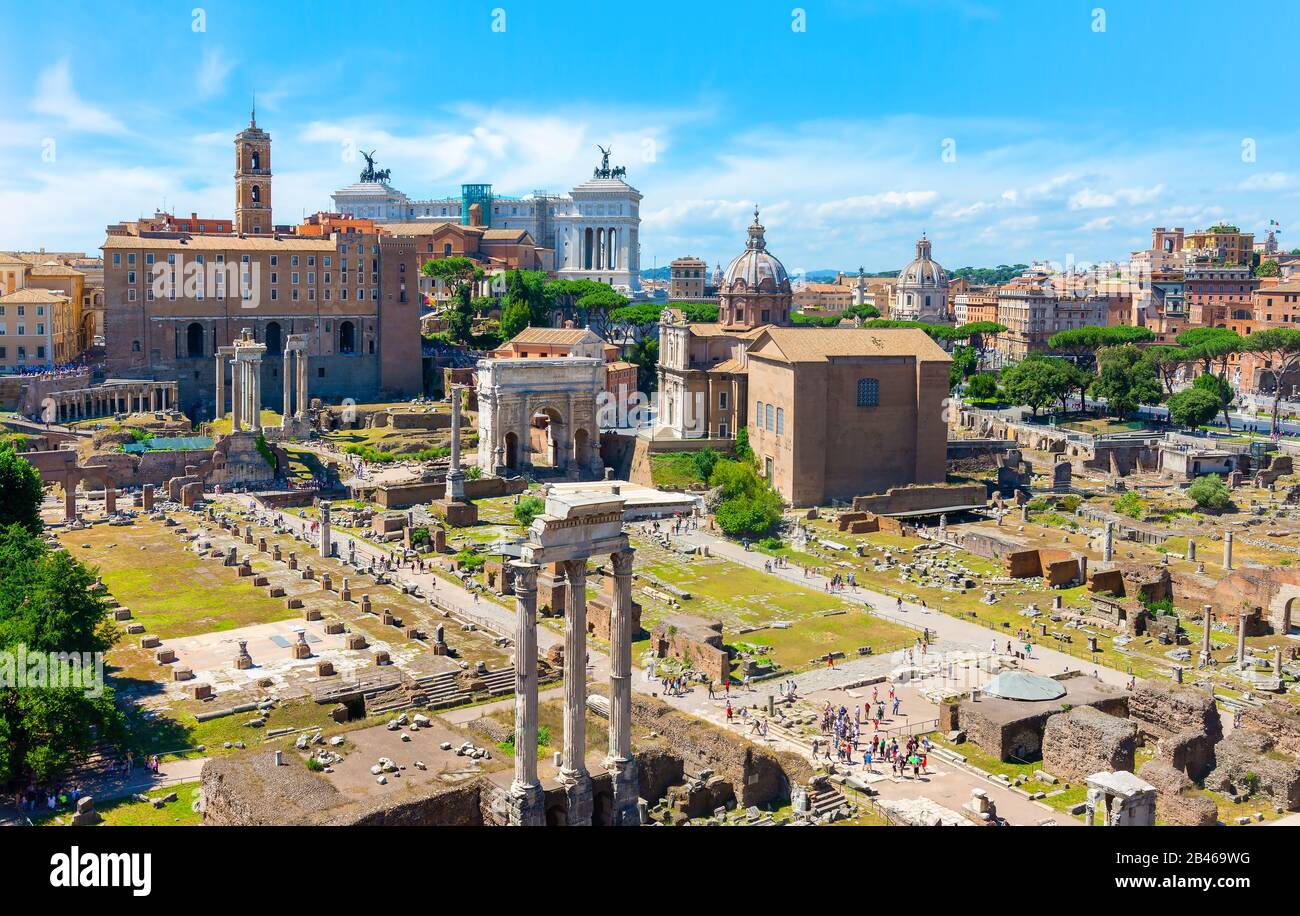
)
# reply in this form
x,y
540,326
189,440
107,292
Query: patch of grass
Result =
x,y
127,812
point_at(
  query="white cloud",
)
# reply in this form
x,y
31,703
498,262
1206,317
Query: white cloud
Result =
x,y
214,68
56,97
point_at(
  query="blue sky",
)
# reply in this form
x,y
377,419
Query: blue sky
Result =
x,y
1064,139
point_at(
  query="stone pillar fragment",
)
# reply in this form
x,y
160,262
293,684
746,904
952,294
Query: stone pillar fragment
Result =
x,y
573,768
325,546
1227,550
620,763
526,800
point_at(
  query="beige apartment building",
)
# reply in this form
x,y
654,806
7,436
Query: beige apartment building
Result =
x,y
38,330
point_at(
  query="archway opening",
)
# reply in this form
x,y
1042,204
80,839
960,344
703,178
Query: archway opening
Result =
x,y
511,457
582,447
274,339
194,340
347,337
546,438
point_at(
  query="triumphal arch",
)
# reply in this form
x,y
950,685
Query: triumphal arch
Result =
x,y
539,413
574,527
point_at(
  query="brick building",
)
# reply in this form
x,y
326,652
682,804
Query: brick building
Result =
x,y
841,412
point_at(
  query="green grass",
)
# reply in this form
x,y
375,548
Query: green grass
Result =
x,y
127,812
674,471
174,592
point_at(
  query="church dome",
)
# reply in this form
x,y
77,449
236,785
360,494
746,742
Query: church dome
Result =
x,y
756,264
924,272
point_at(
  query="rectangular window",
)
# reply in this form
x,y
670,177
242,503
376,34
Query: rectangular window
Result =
x,y
758,414
770,418
780,421
722,400
868,392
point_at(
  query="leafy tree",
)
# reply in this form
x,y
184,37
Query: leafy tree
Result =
x,y
1167,360
566,293
1193,407
965,360
743,450
528,509
863,311
1268,268
749,506
531,288
800,320
595,308
989,276
1211,346
645,354
20,491
1130,504
1210,492
982,387
638,319
514,317
1220,388
1126,379
1037,382
1281,348
47,604
458,274
1083,343
704,461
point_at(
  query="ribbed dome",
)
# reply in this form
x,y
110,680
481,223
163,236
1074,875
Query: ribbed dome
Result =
x,y
756,264
924,272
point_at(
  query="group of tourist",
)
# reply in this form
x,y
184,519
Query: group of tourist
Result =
x,y
840,582
51,798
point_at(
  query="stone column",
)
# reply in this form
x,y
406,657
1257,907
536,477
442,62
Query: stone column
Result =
x,y
286,408
1205,639
220,410
110,497
1241,639
573,769
1191,550
1108,543
303,399
527,802
69,500
255,408
236,395
1227,550
620,763
325,545
455,476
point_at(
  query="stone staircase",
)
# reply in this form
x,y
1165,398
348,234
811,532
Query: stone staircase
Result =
x,y
436,691
824,799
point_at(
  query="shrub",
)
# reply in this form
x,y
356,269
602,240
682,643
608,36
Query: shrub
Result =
x,y
704,461
419,536
1210,492
314,765
770,543
1130,504
527,509
743,450
469,561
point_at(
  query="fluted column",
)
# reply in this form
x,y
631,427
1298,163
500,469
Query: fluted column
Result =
x,y
219,410
236,395
573,770
526,800
255,374
286,407
620,763
303,400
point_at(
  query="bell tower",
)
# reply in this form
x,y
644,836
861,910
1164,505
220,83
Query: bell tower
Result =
x,y
253,180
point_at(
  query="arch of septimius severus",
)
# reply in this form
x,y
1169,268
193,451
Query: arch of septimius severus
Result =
x,y
573,528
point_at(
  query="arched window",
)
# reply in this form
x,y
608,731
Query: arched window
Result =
x,y
256,160
868,392
257,194
194,340
274,344
347,337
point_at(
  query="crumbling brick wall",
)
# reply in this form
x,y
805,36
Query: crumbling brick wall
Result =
x,y
1084,741
1246,757
758,775
1161,710
1278,719
1176,802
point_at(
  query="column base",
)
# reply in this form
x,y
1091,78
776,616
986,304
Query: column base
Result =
x,y
527,806
577,792
626,786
